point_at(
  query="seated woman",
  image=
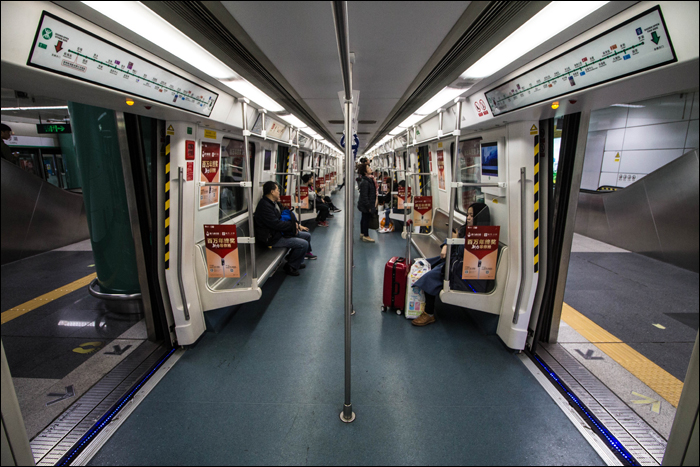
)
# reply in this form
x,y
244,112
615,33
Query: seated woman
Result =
x,y
431,282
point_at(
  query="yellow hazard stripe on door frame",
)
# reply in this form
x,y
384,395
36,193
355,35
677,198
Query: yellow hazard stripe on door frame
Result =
x,y
35,303
167,203
648,372
537,205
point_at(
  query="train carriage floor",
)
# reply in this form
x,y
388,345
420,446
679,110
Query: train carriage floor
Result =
x,y
269,388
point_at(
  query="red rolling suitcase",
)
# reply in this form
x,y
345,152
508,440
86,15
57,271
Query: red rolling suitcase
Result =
x,y
395,273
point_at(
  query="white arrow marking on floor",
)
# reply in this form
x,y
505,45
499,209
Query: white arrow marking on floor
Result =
x,y
660,326
655,405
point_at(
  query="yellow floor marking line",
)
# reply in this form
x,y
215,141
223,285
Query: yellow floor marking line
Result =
x,y
26,307
648,372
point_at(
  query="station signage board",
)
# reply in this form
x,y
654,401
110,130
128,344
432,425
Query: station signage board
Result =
x,y
53,128
639,44
63,48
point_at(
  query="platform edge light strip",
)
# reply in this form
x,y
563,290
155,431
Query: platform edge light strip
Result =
x,y
140,19
550,21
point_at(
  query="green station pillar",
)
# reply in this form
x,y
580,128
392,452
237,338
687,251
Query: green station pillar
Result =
x,y
99,159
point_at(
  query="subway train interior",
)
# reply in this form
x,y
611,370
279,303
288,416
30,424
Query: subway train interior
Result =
x,y
480,246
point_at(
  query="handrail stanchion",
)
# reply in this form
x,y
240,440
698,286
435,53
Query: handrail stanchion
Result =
x,y
455,161
183,296
249,190
523,240
405,200
342,38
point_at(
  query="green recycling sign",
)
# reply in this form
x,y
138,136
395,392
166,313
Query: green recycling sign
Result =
x,y
47,33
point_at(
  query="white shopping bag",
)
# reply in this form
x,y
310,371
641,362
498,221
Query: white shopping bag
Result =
x,y
415,297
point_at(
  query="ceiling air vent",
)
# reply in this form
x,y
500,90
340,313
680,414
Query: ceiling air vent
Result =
x,y
336,122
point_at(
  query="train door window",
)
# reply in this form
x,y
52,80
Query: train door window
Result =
x,y
28,160
50,169
232,201
60,170
468,171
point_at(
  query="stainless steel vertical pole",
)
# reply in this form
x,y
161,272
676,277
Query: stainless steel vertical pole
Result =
x,y
348,415
342,36
249,190
452,189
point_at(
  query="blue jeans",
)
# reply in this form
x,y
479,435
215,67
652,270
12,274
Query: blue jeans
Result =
x,y
298,246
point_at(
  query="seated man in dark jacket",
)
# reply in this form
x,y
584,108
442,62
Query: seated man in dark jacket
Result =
x,y
270,230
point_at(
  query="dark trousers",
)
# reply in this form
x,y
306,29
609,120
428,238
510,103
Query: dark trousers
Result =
x,y
364,223
430,303
322,212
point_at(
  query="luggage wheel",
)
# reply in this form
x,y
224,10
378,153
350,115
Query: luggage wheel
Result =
x,y
398,311
383,308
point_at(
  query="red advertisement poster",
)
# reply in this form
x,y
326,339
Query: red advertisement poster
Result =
x,y
441,169
402,196
430,158
480,252
286,201
320,182
304,191
423,211
190,171
211,157
221,242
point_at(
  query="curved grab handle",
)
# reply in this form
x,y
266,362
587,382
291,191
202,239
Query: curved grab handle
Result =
x,y
111,296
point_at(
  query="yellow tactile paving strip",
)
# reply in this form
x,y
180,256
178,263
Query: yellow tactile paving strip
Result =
x,y
26,307
658,379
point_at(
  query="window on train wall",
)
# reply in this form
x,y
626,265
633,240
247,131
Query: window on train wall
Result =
x,y
469,171
232,201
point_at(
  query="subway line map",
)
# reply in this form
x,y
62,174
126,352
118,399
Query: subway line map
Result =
x,y
68,50
638,44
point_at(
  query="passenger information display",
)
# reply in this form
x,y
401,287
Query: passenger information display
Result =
x,y
638,44
66,49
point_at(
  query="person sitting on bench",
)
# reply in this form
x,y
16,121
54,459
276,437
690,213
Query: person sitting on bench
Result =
x,y
432,281
270,229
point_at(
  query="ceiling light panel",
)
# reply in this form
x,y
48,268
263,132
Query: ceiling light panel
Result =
x,y
550,21
138,18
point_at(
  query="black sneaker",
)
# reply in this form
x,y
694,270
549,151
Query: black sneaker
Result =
x,y
336,210
310,255
290,270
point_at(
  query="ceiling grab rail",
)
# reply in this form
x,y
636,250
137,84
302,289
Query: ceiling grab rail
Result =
x,y
342,37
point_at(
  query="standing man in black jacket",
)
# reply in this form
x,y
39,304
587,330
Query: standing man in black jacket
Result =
x,y
271,230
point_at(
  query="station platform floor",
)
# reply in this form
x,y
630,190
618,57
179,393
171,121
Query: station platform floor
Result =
x,y
59,339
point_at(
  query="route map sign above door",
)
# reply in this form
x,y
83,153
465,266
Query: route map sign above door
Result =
x,y
63,48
